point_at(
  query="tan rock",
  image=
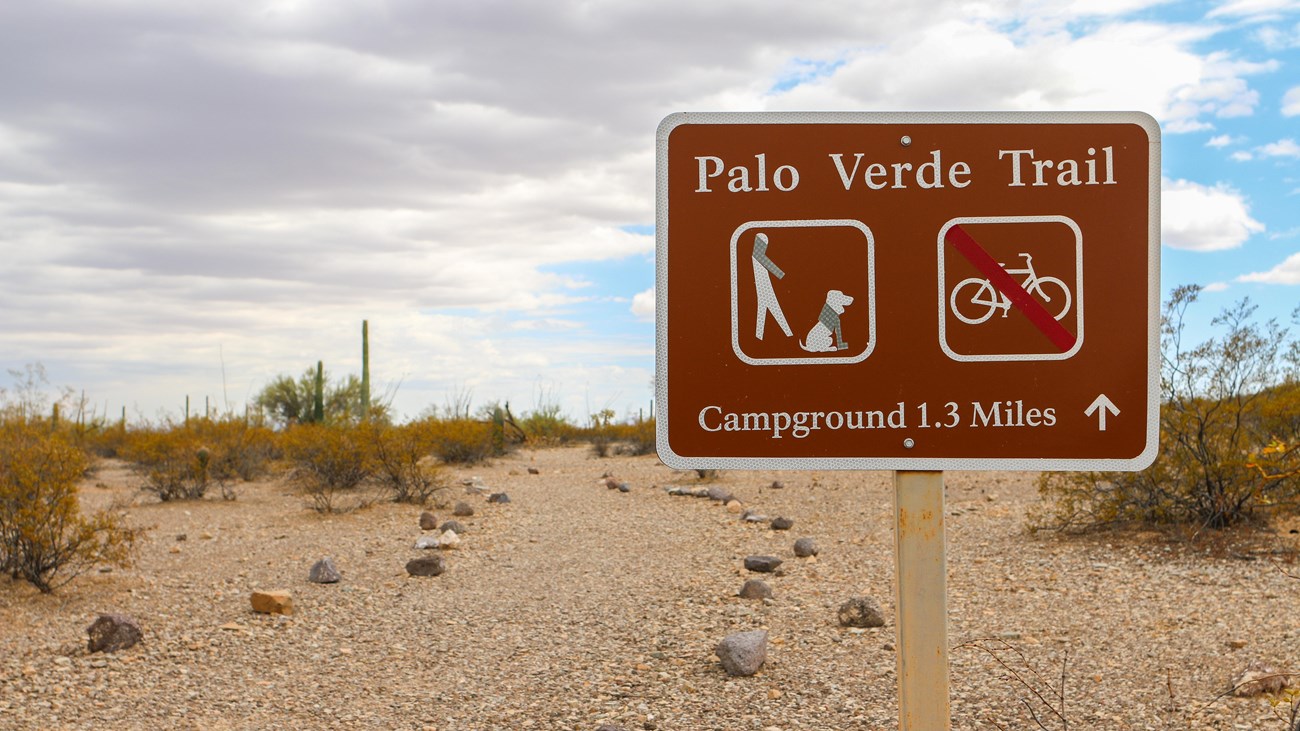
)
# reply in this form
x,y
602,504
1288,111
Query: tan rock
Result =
x,y
272,602
736,507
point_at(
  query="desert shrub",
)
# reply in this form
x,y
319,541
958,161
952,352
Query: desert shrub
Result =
x,y
238,448
463,441
402,462
44,537
174,462
330,465
547,427
1228,429
105,440
636,438
600,433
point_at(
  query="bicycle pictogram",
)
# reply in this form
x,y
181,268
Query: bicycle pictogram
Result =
x,y
980,299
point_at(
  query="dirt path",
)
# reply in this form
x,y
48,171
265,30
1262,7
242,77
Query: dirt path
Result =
x,y
575,605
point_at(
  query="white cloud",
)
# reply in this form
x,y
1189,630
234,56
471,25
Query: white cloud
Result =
x,y
1201,218
1281,148
1242,155
1220,141
1278,39
1291,102
192,176
1253,9
1288,272
643,305
1215,287
967,64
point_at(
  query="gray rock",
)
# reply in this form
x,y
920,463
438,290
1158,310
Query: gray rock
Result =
x,y
805,547
498,497
755,518
426,565
427,542
860,611
743,653
720,494
782,523
700,492
462,509
755,589
324,572
428,521
777,484
453,525
113,632
624,487
762,564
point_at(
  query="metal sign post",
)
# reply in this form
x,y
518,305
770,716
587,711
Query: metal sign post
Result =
x,y
922,601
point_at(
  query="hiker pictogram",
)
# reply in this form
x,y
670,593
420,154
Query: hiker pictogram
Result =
x,y
764,270
814,277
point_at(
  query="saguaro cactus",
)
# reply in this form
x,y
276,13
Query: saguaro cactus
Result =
x,y
365,370
318,400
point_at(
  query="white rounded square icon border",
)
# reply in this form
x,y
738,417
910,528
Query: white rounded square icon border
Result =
x,y
871,292
1077,294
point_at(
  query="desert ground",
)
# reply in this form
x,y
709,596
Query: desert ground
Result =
x,y
575,606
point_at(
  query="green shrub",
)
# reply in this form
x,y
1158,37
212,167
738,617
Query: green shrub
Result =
x,y
44,538
1228,430
547,427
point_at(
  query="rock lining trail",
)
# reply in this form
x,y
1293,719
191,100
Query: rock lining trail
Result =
x,y
574,606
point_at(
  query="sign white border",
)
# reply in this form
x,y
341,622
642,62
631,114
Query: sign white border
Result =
x,y
676,461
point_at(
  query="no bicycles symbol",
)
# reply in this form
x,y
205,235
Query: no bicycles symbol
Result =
x,y
992,310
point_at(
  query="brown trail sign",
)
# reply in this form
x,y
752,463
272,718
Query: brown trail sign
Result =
x,y
907,291
913,291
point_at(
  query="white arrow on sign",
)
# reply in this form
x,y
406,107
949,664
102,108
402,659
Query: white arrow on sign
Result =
x,y
1101,405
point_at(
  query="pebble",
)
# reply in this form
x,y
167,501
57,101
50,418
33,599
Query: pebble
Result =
x,y
755,589
743,653
324,572
762,564
805,547
782,523
860,611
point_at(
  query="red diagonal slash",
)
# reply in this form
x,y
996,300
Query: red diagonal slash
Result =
x,y
1038,315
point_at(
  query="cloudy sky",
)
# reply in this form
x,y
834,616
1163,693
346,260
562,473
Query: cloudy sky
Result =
x,y
197,196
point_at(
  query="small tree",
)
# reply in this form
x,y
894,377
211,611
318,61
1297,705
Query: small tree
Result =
x,y
1222,457
293,401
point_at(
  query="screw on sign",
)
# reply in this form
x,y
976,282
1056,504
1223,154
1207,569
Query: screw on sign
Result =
x,y
915,292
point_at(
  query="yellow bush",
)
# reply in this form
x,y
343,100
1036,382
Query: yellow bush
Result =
x,y
44,538
173,461
462,441
403,463
330,464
